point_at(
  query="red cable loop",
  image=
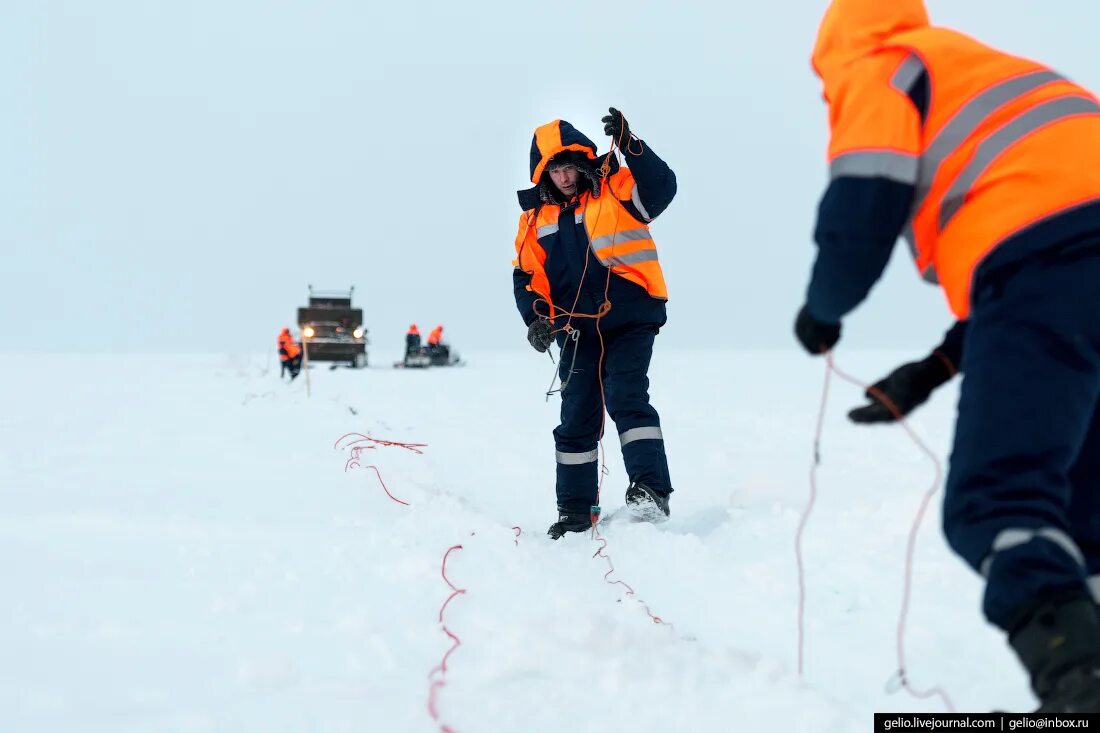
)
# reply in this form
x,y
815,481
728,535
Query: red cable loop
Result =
x,y
911,543
900,678
441,668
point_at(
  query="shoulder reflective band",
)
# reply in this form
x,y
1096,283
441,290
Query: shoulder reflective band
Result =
x,y
907,74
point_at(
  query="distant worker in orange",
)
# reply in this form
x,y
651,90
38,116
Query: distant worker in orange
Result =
x,y
412,341
435,338
290,354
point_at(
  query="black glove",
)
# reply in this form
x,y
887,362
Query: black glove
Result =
x,y
906,387
615,125
538,334
816,337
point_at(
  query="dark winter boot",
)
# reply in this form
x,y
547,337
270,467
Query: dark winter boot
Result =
x,y
646,504
569,522
1059,645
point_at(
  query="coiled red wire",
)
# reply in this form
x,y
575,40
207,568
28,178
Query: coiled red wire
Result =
x,y
900,679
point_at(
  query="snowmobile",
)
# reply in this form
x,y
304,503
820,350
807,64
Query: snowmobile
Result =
x,y
414,359
428,356
441,355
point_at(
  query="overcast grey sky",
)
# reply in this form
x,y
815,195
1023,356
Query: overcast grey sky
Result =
x,y
175,173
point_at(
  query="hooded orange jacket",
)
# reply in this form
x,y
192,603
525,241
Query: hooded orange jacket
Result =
x,y
1001,148
615,222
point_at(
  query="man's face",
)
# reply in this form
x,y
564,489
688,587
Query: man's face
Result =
x,y
565,178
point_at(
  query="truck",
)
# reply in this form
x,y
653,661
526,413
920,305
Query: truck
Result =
x,y
332,330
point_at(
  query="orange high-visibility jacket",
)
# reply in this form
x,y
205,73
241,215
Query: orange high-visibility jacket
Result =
x,y
435,336
287,348
1006,144
618,240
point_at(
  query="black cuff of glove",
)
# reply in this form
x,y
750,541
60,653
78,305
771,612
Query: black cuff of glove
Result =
x,y
939,368
815,336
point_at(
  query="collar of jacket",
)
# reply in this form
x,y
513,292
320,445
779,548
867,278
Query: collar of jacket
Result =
x,y
529,197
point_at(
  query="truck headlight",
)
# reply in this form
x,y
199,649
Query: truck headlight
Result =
x,y
358,333
308,332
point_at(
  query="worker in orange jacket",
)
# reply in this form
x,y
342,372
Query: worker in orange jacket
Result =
x,y
586,266
290,354
989,164
412,341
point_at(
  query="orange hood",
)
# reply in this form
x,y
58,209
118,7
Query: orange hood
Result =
x,y
853,29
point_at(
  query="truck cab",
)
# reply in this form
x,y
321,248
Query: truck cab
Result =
x,y
332,330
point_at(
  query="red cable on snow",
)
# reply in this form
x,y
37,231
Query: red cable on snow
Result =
x,y
384,487
441,668
901,677
360,438
805,518
629,591
365,442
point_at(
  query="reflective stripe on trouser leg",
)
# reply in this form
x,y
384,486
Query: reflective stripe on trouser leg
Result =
x,y
576,481
1012,537
1084,503
577,477
626,387
644,456
649,433
576,459
1094,588
575,439
1029,393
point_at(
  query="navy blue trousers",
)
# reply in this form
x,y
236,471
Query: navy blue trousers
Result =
x,y
627,353
1022,503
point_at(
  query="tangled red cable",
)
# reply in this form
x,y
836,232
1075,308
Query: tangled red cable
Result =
x,y
900,679
441,669
365,442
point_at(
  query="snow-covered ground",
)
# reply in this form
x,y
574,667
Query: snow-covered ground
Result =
x,y
181,549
